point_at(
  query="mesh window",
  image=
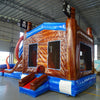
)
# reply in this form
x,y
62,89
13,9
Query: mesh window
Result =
x,y
33,55
54,54
85,57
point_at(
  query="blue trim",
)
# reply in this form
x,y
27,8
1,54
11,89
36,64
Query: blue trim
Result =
x,y
77,85
4,66
1,74
15,74
20,51
53,84
47,26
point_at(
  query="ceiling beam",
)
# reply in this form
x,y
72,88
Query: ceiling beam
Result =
x,y
12,33
81,16
13,29
9,20
18,6
7,37
7,40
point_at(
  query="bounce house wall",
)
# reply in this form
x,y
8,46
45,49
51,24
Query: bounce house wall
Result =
x,y
78,41
41,49
87,42
42,39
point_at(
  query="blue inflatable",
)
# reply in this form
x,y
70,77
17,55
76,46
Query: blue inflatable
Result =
x,y
47,26
15,74
69,87
43,88
4,66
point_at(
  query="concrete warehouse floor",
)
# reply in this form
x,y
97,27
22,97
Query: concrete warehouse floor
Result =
x,y
9,90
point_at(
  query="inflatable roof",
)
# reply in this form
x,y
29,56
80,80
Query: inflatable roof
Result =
x,y
47,26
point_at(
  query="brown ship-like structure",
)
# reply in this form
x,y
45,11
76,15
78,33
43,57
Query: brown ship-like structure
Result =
x,y
63,53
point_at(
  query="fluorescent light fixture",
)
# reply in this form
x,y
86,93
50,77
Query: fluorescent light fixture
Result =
x,y
95,52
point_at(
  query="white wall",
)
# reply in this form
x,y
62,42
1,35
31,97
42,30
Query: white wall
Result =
x,y
98,52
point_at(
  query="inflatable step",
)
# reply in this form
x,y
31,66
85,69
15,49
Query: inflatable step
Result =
x,y
33,86
38,82
28,85
26,79
42,89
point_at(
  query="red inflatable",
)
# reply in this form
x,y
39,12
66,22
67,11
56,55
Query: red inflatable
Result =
x,y
16,52
17,47
8,67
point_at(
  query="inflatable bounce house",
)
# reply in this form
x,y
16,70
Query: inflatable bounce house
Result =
x,y
57,57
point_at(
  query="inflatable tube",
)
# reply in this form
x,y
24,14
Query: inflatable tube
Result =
x,y
17,57
12,70
17,47
8,67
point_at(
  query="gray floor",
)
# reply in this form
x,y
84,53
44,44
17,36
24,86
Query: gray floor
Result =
x,y
9,91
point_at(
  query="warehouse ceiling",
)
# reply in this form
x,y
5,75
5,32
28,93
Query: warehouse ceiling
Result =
x,y
39,11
